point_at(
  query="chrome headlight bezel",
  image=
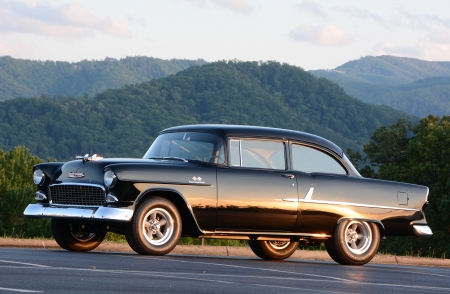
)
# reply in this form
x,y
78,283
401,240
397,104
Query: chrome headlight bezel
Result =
x,y
38,177
109,178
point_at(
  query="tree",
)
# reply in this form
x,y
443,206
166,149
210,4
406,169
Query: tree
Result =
x,y
16,192
421,155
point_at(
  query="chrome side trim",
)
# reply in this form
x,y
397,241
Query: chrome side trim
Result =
x,y
104,213
422,231
348,204
310,193
272,234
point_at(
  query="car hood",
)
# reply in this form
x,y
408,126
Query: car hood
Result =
x,y
79,171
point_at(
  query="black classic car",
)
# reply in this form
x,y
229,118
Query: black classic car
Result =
x,y
272,187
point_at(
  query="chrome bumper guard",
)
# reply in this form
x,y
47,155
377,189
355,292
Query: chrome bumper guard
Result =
x,y
96,213
422,231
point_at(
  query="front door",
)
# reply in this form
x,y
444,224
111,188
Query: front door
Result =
x,y
252,189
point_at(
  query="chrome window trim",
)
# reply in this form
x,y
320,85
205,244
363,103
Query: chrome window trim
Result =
x,y
327,151
281,140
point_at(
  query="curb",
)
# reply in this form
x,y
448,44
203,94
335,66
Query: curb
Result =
x,y
229,251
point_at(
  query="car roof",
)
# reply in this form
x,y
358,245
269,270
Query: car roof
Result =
x,y
259,132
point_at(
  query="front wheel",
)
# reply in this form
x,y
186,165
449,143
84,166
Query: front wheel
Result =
x,y
354,242
273,250
155,228
74,236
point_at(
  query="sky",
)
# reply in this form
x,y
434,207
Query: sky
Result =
x,y
311,34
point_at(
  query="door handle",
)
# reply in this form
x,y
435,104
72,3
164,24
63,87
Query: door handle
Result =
x,y
289,176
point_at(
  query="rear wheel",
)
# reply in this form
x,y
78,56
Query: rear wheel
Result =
x,y
354,242
273,250
75,236
155,228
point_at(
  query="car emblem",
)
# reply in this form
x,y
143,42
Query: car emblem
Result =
x,y
196,180
76,175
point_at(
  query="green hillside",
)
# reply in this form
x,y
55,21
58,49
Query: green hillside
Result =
x,y
420,98
388,70
124,122
32,78
412,85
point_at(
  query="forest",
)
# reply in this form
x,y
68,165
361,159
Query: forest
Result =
x,y
32,78
123,122
416,86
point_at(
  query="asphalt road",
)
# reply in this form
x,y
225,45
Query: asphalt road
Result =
x,y
58,271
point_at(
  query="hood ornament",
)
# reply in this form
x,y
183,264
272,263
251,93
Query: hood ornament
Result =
x,y
89,158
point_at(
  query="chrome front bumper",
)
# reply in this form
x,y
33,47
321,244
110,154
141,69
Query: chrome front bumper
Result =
x,y
422,231
95,213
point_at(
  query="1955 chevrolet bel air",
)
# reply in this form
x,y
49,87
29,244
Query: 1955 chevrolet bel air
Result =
x,y
272,187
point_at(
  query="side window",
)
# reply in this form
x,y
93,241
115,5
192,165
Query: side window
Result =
x,y
310,160
257,154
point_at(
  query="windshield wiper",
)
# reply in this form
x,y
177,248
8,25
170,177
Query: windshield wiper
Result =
x,y
170,158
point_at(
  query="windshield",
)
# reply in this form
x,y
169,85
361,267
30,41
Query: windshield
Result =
x,y
191,146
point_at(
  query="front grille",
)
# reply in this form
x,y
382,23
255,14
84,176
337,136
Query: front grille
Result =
x,y
80,195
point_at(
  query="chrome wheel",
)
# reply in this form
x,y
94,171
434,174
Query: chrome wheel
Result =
x,y
80,235
158,226
77,237
278,245
358,237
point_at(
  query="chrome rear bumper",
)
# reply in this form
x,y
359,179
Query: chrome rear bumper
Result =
x,y
99,213
422,231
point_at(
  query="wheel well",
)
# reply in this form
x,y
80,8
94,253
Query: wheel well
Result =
x,y
190,227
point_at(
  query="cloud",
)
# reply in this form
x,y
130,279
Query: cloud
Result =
x,y
434,48
405,18
312,7
139,20
240,6
359,13
65,22
15,48
441,21
327,35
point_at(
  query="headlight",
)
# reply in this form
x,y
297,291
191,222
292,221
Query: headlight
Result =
x,y
38,177
109,178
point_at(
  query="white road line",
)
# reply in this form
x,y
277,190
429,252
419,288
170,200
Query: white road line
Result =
x,y
312,275
247,267
20,290
415,272
23,263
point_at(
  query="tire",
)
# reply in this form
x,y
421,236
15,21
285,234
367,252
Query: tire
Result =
x,y
72,236
273,250
155,228
354,242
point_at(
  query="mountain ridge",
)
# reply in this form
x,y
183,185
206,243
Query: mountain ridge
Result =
x,y
124,122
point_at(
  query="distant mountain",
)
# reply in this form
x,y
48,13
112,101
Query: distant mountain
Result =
x,y
32,78
416,86
124,122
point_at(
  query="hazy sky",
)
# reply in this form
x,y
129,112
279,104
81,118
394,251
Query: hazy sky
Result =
x,y
311,34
